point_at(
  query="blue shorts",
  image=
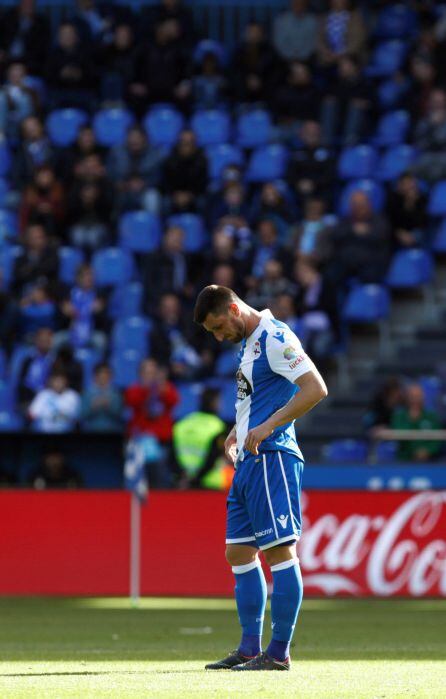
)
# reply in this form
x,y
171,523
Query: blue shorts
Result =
x,y
264,500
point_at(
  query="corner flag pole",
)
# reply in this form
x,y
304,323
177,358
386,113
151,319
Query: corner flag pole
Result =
x,y
135,549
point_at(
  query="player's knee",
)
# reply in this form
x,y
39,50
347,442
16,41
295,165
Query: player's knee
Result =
x,y
279,554
237,555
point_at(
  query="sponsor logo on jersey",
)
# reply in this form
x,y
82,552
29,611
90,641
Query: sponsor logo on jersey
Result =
x,y
297,361
279,336
290,353
283,520
264,532
244,388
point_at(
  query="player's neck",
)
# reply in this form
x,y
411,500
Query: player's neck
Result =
x,y
252,319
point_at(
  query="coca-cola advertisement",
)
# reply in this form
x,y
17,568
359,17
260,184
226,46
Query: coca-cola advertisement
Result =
x,y
381,544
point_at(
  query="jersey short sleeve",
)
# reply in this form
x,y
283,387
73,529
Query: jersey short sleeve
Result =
x,y
286,355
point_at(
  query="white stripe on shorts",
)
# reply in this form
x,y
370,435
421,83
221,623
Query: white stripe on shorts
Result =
x,y
265,475
287,490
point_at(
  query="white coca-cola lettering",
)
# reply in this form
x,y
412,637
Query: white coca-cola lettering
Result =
x,y
385,556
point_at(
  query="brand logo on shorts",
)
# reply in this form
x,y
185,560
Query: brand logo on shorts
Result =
x,y
264,532
283,520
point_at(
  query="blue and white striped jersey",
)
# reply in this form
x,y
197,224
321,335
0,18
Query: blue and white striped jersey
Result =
x,y
271,359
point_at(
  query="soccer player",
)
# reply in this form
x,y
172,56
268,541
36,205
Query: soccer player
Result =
x,y
277,383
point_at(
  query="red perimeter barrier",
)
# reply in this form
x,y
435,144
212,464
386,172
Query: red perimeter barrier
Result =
x,y
354,543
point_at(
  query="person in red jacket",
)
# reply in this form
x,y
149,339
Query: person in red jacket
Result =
x,y
151,402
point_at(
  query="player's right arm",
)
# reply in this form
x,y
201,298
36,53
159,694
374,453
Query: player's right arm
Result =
x,y
230,445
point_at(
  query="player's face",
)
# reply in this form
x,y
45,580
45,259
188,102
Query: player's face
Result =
x,y
229,326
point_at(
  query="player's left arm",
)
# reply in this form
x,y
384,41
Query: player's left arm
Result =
x,y
291,362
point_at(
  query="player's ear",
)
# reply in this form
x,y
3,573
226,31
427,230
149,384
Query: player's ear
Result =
x,y
235,310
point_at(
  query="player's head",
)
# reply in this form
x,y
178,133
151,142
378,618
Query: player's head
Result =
x,y
220,311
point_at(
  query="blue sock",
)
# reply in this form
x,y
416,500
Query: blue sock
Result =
x,y
250,595
285,603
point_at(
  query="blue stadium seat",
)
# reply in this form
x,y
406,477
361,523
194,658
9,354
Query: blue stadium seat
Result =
x,y
210,46
3,364
357,162
63,125
221,156
132,334
433,388
397,21
8,256
367,303
190,399
9,226
439,241
410,269
7,398
392,128
69,261
4,192
254,129
373,189
387,58
125,366
437,199
386,452
112,266
163,124
195,237
211,127
10,421
5,158
228,395
267,163
394,161
111,126
88,358
19,354
227,363
126,301
139,231
391,92
349,451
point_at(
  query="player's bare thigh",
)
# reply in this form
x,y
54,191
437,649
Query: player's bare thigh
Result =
x,y
241,554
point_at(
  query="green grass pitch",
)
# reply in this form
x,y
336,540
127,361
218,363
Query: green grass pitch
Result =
x,y
57,648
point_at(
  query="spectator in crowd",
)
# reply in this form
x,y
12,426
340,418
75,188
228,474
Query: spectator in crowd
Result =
x,y
230,205
102,403
83,313
89,218
43,201
267,247
69,158
69,72
56,408
161,69
275,202
199,446
295,32
312,237
173,339
170,269
38,262
36,367
346,105
136,170
66,363
386,400
224,251
185,173
255,66
16,101
151,402
407,213
95,22
179,13
296,100
316,309
116,63
341,31
37,310
270,285
24,36
430,138
54,472
9,317
415,416
360,244
33,152
312,166
209,85
283,308
224,275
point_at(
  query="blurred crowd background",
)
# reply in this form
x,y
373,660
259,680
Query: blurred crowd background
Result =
x,y
303,165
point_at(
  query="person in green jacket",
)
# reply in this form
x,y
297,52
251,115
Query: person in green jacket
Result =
x,y
198,440
414,416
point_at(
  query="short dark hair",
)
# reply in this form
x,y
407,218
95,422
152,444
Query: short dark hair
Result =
x,y
102,366
213,299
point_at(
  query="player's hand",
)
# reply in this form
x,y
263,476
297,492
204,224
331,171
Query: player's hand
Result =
x,y
231,447
256,436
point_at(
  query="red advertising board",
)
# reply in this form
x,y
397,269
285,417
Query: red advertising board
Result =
x,y
354,543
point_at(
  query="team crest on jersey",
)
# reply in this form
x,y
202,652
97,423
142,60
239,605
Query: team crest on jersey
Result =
x,y
256,349
289,353
244,388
